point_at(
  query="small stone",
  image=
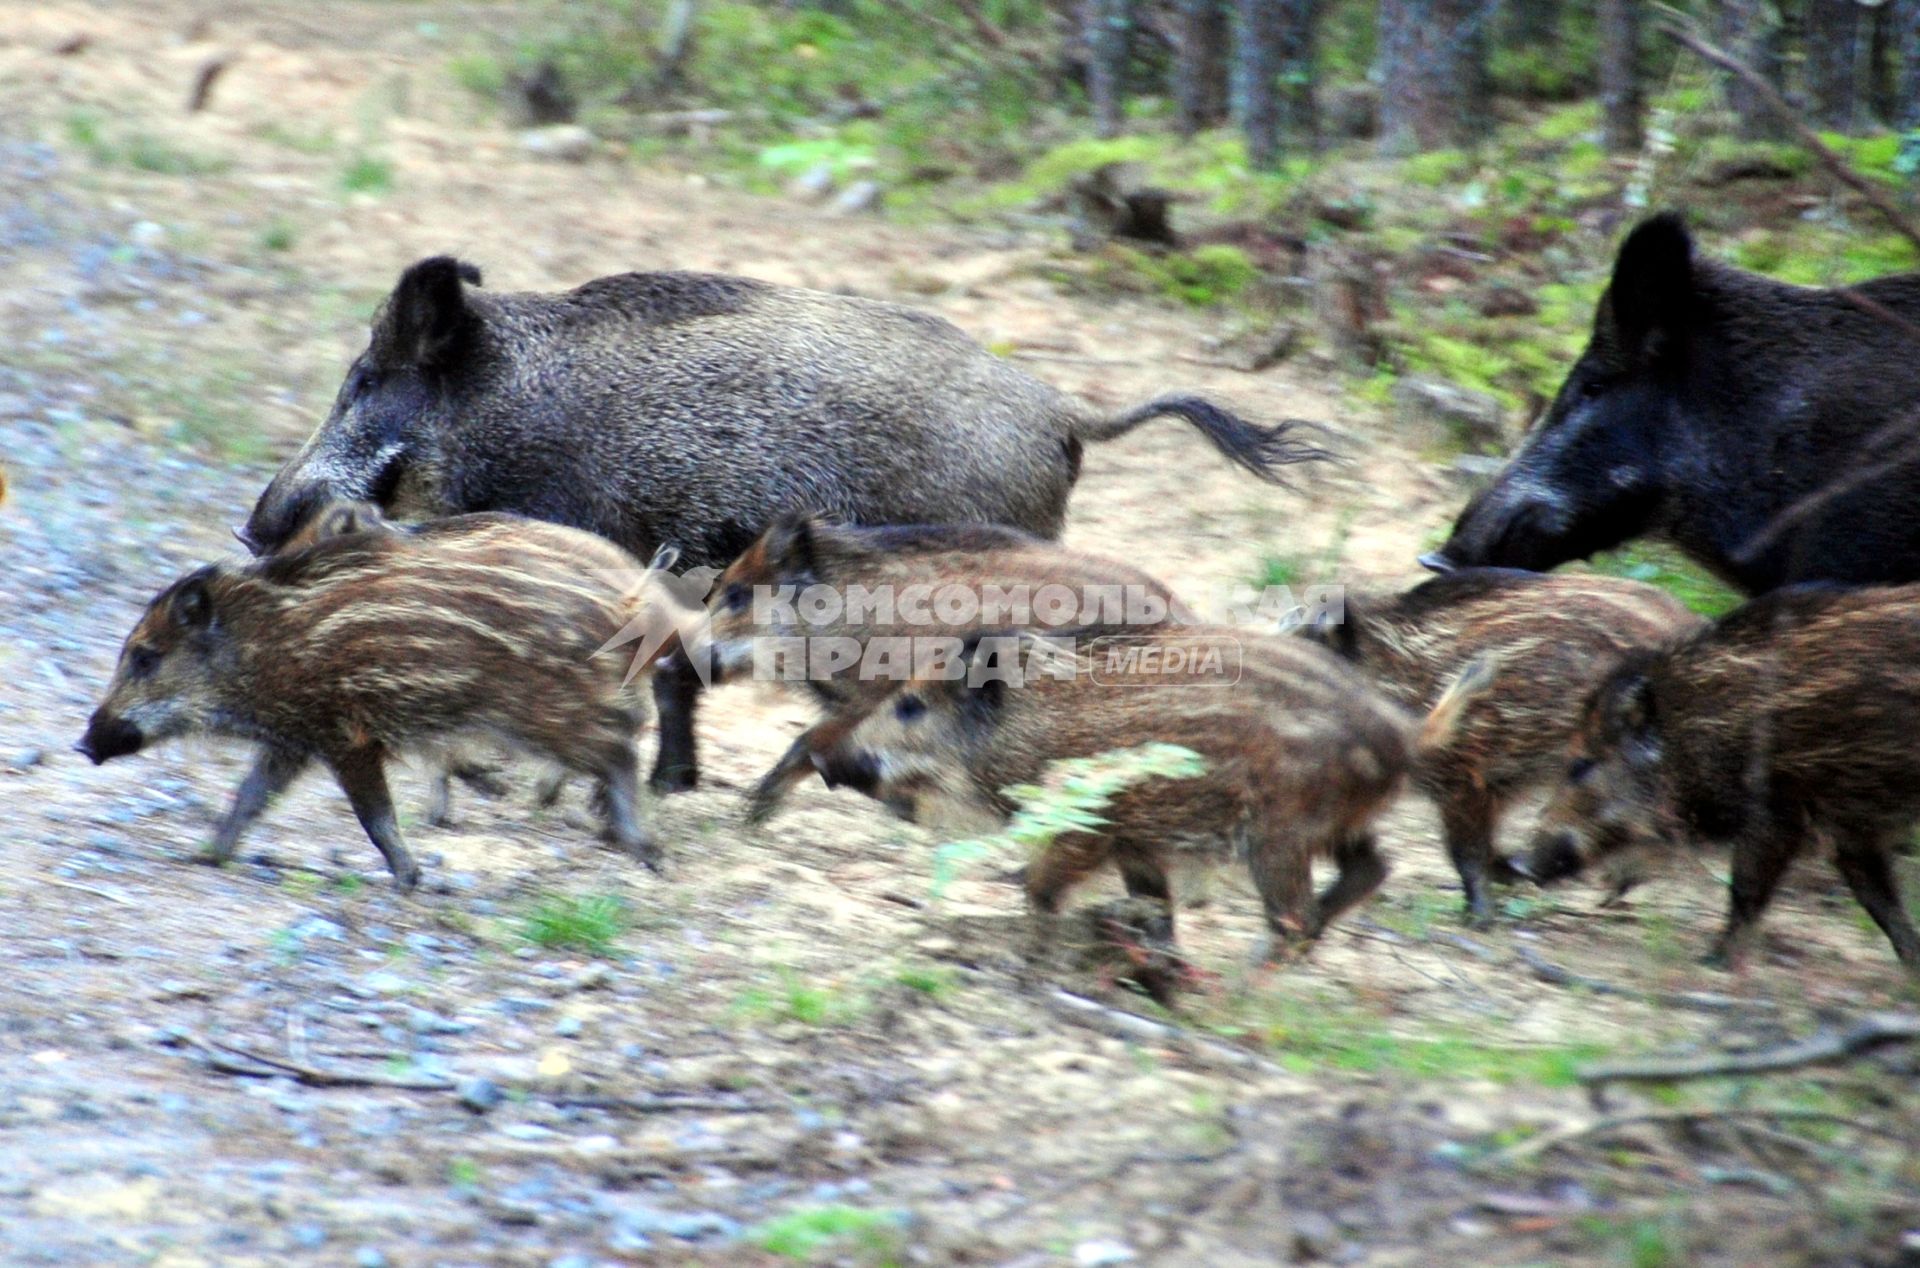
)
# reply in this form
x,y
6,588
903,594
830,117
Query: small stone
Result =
x,y
859,197
568,1027
1096,1253
812,185
1473,420
368,1257
1315,1236
309,1236
26,759
563,142
147,235
480,1095
384,983
592,978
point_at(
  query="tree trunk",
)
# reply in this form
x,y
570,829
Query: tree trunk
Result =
x,y
1108,28
1299,113
1905,21
1749,32
1531,22
1432,67
1256,77
1834,37
1200,68
1620,101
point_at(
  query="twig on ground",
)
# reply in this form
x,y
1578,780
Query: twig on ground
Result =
x,y
665,1103
230,1059
95,890
1121,1024
1698,1001
1533,1146
1872,1031
1679,28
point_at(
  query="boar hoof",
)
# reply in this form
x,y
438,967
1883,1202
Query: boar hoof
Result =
x,y
1501,871
407,879
677,779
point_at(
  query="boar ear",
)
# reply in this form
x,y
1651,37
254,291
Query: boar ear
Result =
x,y
191,607
426,322
790,543
1652,287
1630,712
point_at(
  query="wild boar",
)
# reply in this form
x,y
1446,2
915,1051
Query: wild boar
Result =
x,y
1547,640
886,596
1766,429
1301,756
691,410
367,645
1789,720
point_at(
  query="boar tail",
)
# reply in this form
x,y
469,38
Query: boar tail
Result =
x,y
1467,685
1262,450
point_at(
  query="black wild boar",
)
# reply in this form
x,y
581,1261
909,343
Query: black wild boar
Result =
x,y
1548,640
1791,719
691,410
1301,756
1709,402
893,592
362,646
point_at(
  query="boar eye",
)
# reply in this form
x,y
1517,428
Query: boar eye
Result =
x,y
909,708
142,661
1578,772
1592,388
739,598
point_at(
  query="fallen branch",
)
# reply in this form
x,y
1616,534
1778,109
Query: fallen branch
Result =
x,y
1873,1031
1120,1024
228,1058
1536,1145
95,890
665,1103
1698,1001
1679,28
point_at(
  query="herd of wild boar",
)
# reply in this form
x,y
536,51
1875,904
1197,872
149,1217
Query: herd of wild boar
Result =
x,y
447,558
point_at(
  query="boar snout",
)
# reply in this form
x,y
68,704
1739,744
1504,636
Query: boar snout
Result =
x,y
857,770
1507,527
109,737
1554,857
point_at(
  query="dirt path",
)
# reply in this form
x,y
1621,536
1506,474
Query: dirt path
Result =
x,y
793,1035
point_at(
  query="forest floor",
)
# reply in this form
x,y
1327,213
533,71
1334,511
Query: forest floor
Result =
x,y
793,1051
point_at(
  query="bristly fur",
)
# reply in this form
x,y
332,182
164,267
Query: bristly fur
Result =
x,y
1547,640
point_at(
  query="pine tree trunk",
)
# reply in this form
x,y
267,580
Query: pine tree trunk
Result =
x,y
1299,113
1200,67
1432,62
1620,100
1905,24
1748,31
1256,77
1108,30
1834,36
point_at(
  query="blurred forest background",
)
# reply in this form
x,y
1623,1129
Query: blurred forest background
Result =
x,y
1438,181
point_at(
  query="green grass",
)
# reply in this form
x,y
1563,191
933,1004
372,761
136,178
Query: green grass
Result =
x,y
810,1233
1324,1033
318,141
277,236
367,174
790,997
1664,566
141,151
930,980
591,923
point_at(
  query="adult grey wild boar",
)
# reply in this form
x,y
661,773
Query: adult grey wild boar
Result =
x,y
1768,430
692,410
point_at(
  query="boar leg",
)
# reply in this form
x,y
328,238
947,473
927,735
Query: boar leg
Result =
x,y
1467,817
620,781
1865,861
363,777
272,771
1760,859
676,695
1284,878
1361,871
1069,860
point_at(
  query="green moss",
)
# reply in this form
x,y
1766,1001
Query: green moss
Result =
x,y
812,1233
1568,123
1437,167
